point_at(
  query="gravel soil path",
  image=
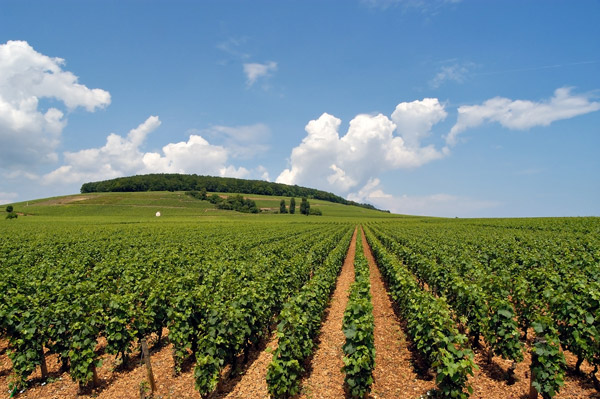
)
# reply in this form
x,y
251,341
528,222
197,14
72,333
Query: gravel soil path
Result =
x,y
394,375
326,379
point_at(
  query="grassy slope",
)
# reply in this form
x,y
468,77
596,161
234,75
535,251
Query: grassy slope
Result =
x,y
174,206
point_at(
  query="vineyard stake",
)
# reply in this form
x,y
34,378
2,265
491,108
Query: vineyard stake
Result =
x,y
511,373
95,380
146,357
533,393
43,365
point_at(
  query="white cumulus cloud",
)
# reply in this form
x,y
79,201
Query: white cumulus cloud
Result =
x,y
194,156
522,114
372,145
414,120
263,173
255,71
118,157
123,156
26,77
371,193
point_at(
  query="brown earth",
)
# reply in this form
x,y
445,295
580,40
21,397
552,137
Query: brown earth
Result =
x,y
115,383
63,200
252,381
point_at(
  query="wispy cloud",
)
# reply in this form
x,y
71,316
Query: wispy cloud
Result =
x,y
522,114
457,72
440,204
538,68
244,142
255,71
233,46
7,198
424,6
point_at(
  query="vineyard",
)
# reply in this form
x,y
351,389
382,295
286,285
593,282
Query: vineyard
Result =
x,y
483,308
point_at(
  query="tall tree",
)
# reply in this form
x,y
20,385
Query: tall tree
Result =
x,y
282,208
304,206
293,205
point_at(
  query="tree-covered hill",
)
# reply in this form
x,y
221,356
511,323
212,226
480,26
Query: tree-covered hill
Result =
x,y
180,182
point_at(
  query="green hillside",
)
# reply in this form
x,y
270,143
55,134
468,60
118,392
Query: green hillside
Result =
x,y
142,206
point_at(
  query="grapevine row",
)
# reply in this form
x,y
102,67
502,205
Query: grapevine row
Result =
x,y
358,327
429,324
479,306
550,286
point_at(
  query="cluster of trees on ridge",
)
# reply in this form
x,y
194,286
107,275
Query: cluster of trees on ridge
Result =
x,y
235,202
180,182
305,208
246,205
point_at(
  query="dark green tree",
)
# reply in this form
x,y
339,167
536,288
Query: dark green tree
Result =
x,y
293,205
305,206
10,213
282,208
203,196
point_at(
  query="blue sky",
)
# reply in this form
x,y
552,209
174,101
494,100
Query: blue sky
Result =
x,y
446,108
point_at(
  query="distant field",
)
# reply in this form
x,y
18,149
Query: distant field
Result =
x,y
144,205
